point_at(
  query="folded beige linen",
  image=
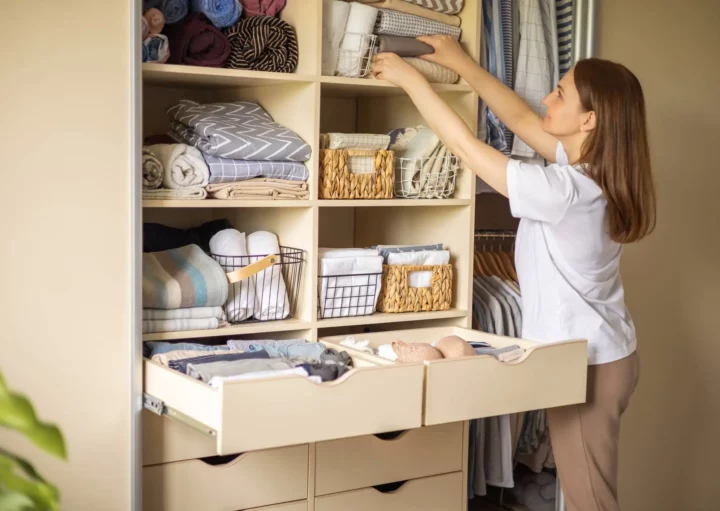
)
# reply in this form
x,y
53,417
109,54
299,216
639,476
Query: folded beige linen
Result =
x,y
260,188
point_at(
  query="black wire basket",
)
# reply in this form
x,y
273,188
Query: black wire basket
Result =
x,y
343,296
263,287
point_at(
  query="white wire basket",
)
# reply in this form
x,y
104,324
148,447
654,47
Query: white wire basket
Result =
x,y
426,178
355,54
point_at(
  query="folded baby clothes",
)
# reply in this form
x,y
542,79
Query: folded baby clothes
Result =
x,y
326,372
271,299
244,345
333,356
302,349
152,348
182,277
260,189
229,249
263,7
386,351
421,258
354,141
433,73
207,371
441,6
222,13
262,43
418,10
408,25
158,237
196,42
156,48
335,16
227,170
403,46
182,363
180,325
260,375
165,358
363,346
183,165
356,41
506,354
191,193
152,170
240,130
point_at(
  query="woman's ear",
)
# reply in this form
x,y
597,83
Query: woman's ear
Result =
x,y
589,122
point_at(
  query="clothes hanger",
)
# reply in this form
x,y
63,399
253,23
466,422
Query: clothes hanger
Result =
x,y
506,258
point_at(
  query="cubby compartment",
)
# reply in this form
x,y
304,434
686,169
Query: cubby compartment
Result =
x,y
440,179
559,368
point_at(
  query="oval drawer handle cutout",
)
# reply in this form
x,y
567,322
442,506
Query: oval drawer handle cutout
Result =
x,y
389,487
216,461
391,435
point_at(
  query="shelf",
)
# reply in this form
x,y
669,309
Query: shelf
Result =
x,y
393,203
193,76
245,328
218,203
380,317
341,86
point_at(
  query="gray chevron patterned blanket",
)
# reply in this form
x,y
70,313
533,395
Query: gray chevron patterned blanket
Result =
x,y
240,131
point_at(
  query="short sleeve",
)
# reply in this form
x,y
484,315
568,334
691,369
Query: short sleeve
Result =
x,y
540,193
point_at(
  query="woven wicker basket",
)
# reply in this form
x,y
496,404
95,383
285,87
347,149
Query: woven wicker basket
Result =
x,y
338,182
397,296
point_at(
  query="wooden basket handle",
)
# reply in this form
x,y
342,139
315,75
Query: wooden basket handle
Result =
x,y
252,269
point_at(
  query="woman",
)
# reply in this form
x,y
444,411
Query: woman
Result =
x,y
576,214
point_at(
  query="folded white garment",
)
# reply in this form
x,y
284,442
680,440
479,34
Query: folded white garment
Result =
x,y
271,300
350,285
328,253
180,325
363,346
215,381
231,246
335,15
367,141
356,42
186,313
421,258
183,165
387,351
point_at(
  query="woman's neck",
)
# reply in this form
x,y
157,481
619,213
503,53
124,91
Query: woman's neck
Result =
x,y
573,146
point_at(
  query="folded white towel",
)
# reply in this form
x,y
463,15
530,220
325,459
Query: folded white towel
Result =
x,y
335,15
422,258
186,313
327,253
180,325
215,381
241,295
183,165
350,285
192,193
387,351
271,300
355,45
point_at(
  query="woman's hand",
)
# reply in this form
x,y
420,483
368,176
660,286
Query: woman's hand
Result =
x,y
390,67
448,52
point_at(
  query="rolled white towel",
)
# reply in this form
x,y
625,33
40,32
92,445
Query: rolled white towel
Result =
x,y
335,15
231,245
271,299
356,43
183,165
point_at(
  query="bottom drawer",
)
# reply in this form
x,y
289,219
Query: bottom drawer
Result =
x,y
292,506
438,493
251,480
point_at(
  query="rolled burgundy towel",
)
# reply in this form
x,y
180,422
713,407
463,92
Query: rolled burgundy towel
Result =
x,y
196,42
262,7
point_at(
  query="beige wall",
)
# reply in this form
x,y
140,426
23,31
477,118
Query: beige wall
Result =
x,y
670,454
65,224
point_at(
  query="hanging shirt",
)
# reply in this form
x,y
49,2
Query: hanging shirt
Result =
x,y
567,265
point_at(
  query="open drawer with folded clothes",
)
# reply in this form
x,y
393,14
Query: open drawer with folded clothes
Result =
x,y
499,369
246,392
415,278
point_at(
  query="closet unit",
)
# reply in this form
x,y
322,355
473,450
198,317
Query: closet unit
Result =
x,y
387,436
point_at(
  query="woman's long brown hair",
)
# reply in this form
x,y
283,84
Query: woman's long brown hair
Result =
x,y
616,153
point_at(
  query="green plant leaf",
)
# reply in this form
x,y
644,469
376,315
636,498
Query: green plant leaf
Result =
x,y
16,412
17,475
14,501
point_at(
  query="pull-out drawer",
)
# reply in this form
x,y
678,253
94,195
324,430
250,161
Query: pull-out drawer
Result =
x,y
546,376
292,506
365,461
250,415
248,481
438,493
